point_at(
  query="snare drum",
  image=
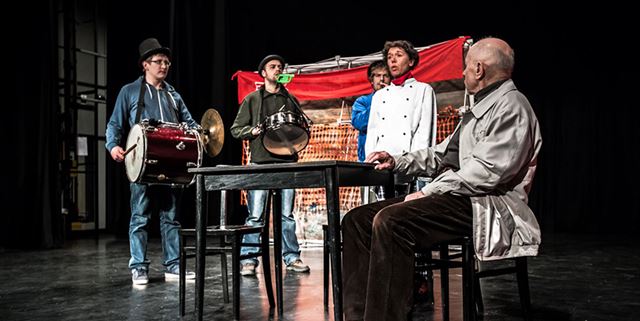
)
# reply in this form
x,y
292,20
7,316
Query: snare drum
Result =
x,y
285,133
162,154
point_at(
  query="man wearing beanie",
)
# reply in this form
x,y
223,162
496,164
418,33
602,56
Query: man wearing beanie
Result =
x,y
270,99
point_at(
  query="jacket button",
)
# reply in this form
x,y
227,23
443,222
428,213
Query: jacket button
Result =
x,y
404,133
382,135
410,86
407,99
382,118
405,116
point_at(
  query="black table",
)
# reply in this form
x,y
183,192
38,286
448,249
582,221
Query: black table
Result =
x,y
320,174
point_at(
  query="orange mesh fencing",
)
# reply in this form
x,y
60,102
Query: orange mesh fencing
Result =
x,y
448,118
326,142
335,142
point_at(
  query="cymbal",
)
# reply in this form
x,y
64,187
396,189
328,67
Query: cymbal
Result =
x,y
213,132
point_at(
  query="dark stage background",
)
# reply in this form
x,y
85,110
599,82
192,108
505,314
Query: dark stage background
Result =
x,y
575,65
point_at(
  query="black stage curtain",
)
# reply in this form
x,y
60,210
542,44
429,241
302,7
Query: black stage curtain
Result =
x,y
579,75
581,80
31,200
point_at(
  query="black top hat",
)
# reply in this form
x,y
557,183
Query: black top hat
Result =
x,y
269,58
150,47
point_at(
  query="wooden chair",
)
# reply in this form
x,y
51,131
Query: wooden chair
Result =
x,y
229,240
327,260
472,272
458,253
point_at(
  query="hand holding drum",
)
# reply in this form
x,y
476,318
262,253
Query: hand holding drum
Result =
x,y
256,131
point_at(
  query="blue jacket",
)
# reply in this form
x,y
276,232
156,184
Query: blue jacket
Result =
x,y
360,119
156,106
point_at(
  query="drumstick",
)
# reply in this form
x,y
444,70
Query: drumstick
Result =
x,y
129,150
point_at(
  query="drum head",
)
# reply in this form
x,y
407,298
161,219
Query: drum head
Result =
x,y
134,161
286,139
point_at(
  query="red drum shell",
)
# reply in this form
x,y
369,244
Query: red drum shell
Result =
x,y
163,154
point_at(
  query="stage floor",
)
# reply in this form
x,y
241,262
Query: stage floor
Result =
x,y
576,277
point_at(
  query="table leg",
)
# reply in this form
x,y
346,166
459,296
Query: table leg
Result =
x,y
390,188
200,245
277,246
335,242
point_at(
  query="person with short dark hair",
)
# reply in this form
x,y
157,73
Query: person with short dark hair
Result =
x,y
483,173
150,97
378,76
269,100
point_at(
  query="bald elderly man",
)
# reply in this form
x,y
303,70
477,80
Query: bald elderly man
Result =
x,y
483,173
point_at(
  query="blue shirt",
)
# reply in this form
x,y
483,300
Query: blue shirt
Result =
x,y
157,105
360,119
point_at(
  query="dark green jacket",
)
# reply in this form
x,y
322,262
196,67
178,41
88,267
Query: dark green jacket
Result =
x,y
250,115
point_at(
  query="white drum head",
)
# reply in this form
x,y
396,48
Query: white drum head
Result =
x,y
134,161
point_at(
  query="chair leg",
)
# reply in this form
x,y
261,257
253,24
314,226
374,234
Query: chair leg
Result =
x,y
264,250
183,259
478,294
522,275
235,262
325,271
225,277
444,281
468,277
266,265
429,278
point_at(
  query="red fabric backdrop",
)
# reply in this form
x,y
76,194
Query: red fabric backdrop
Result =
x,y
440,62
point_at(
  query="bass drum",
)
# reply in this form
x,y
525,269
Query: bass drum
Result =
x,y
285,133
162,154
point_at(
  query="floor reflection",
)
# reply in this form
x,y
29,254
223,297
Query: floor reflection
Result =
x,y
576,277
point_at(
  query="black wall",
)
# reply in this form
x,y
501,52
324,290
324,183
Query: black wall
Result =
x,y
575,65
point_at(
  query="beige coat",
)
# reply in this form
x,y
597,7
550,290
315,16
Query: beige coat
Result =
x,y
499,144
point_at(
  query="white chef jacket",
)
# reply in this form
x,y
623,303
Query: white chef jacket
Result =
x,y
402,118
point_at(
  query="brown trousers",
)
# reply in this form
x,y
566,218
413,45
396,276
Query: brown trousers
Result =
x,y
380,240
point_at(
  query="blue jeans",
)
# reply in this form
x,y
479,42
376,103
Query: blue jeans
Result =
x,y
145,199
419,183
257,199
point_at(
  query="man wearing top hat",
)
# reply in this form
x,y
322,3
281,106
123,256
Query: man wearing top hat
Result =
x,y
150,98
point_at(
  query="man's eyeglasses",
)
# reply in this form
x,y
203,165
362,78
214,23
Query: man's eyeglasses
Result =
x,y
161,62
